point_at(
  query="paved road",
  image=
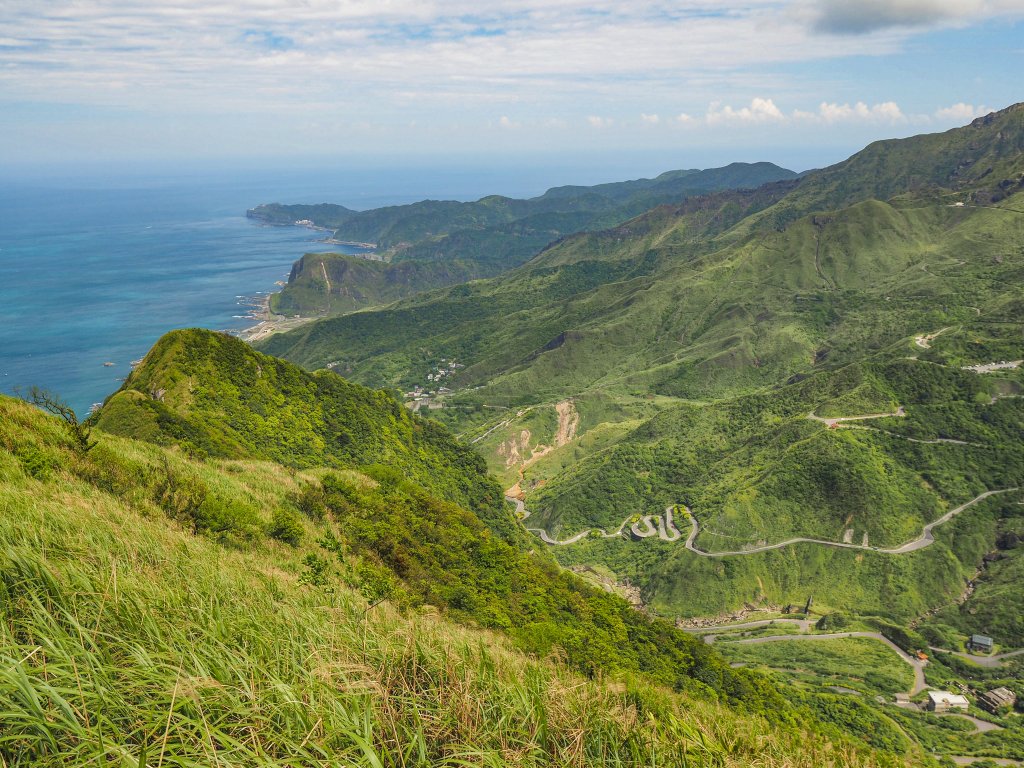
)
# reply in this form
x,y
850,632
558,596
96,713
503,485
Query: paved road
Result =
x,y
980,726
524,513
667,531
920,542
714,629
836,420
916,664
991,662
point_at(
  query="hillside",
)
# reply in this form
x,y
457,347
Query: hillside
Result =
x,y
214,396
419,504
130,639
325,284
433,243
693,342
188,600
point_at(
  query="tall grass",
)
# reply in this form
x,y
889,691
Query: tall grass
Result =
x,y
127,641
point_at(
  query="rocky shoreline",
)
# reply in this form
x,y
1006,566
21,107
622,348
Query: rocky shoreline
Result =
x,y
269,323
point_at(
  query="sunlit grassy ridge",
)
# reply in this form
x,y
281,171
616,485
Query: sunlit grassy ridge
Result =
x,y
128,640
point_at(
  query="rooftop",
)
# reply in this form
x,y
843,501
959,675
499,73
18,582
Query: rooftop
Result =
x,y
945,697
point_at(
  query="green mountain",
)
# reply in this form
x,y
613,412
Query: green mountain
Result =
x,y
325,284
421,503
433,243
675,359
249,564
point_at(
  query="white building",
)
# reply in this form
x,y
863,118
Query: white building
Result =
x,y
943,701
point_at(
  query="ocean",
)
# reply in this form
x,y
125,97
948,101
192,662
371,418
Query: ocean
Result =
x,y
96,273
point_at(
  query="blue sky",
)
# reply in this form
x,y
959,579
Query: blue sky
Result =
x,y
800,82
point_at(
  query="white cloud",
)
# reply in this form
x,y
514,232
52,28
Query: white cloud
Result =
x,y
763,110
960,113
237,67
378,51
886,112
759,111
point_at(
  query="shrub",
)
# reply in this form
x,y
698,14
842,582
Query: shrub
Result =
x,y
36,463
79,432
311,501
180,496
286,526
227,518
317,570
375,581
833,621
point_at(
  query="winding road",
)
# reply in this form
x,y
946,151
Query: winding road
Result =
x,y
913,545
664,528
990,662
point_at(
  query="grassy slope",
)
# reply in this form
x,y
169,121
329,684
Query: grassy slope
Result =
x,y
128,639
432,517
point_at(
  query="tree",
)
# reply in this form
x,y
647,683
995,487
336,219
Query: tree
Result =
x,y
52,404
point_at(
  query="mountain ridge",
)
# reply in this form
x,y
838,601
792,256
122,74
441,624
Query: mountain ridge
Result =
x,y
433,243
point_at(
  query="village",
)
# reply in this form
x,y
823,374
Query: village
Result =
x,y
431,395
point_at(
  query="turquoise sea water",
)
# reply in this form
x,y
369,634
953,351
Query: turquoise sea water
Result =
x,y
95,269
95,276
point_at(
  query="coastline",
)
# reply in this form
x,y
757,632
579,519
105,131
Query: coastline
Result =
x,y
307,224
269,323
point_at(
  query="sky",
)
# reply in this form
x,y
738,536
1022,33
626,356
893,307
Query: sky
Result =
x,y
678,83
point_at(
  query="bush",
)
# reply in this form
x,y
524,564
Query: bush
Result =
x,y
317,570
907,639
36,463
286,526
180,496
375,581
833,621
226,518
311,501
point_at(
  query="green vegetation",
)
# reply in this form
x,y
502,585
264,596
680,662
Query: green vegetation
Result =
x,y
738,314
334,283
246,563
435,243
429,526
994,606
213,395
129,639
859,663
